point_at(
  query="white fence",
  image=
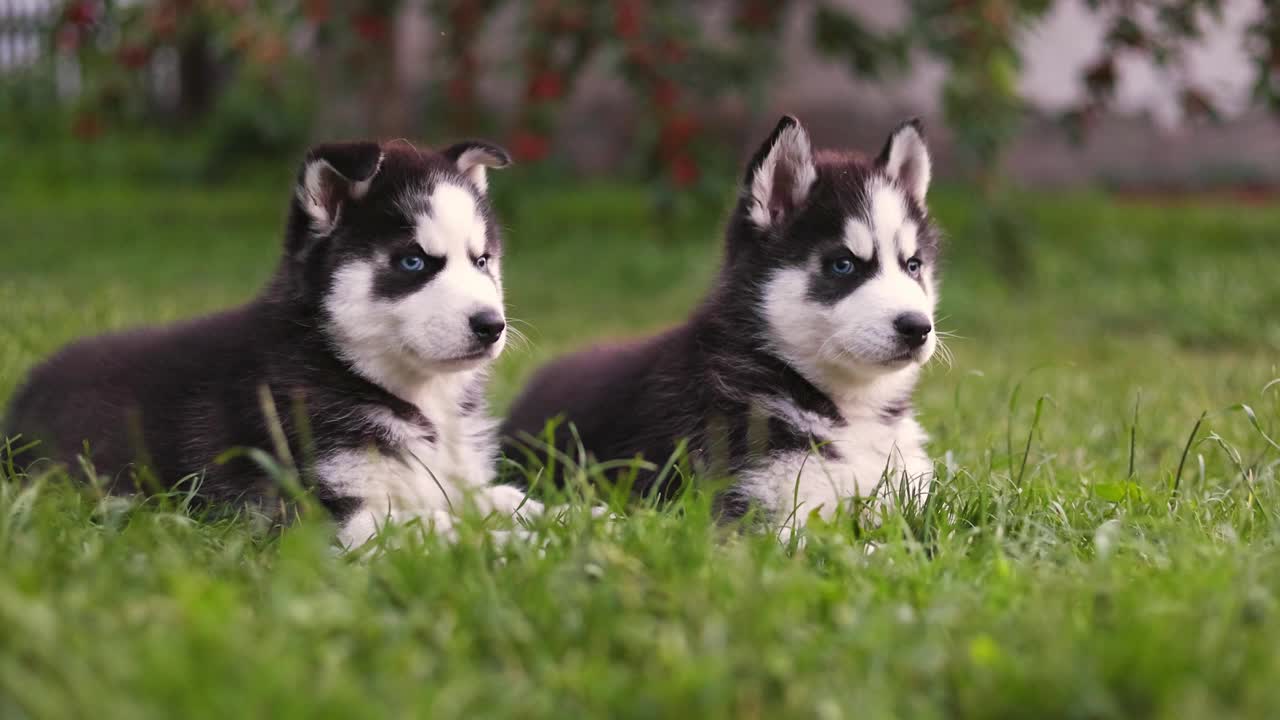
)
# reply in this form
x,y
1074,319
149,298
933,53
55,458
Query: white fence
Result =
x,y
26,29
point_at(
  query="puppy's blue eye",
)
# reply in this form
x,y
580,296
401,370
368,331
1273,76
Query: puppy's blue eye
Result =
x,y
412,263
914,265
841,266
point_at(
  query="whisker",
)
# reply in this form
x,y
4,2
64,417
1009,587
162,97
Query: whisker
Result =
x,y
823,347
944,355
519,338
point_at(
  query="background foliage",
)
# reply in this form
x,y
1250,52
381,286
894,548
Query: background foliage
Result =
x,y
239,68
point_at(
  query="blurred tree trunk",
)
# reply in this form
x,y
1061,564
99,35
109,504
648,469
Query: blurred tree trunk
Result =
x,y
197,75
386,100
387,109
464,19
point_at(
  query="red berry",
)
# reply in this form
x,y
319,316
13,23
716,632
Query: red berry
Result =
x,y
80,13
528,145
133,56
684,171
317,11
626,18
459,89
371,27
547,85
756,15
677,131
665,94
86,126
67,39
164,21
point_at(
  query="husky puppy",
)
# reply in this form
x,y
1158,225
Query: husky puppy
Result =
x,y
368,348
794,376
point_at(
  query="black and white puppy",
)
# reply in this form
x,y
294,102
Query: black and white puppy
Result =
x,y
372,340
794,376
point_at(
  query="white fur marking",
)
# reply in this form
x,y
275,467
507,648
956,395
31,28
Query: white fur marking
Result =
x,y
803,420
453,222
858,238
908,239
888,213
795,484
430,481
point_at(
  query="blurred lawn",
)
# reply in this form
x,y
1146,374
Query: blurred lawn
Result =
x,y
1117,297
1083,590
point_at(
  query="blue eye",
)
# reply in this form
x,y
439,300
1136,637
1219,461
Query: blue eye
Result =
x,y
842,266
914,265
412,263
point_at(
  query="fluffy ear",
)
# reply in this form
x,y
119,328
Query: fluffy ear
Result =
x,y
906,159
780,174
472,158
332,174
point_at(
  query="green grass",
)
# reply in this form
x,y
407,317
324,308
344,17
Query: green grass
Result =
x,y
1048,580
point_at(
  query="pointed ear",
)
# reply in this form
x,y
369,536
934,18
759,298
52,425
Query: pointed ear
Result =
x,y
905,158
472,158
780,174
332,174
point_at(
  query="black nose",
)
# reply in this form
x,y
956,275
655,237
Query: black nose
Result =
x,y
913,328
487,326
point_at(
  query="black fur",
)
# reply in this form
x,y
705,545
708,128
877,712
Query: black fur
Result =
x,y
172,399
699,381
392,282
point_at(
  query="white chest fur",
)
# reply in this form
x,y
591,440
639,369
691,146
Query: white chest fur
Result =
x,y
424,472
867,457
